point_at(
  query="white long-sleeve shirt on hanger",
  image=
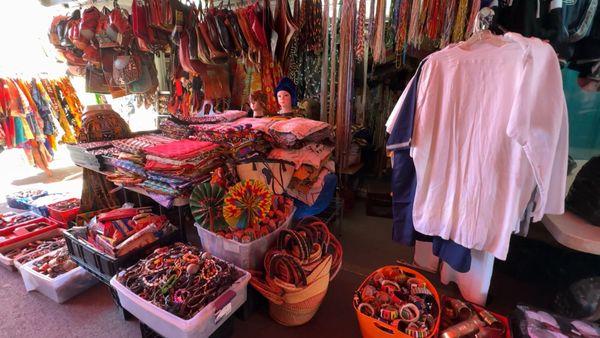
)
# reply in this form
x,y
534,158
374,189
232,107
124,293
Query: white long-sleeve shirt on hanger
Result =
x,y
490,126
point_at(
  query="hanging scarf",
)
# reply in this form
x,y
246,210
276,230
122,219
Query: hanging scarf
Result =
x,y
378,43
413,28
402,31
359,50
448,23
475,6
461,20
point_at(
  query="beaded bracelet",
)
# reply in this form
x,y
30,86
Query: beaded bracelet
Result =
x,y
409,313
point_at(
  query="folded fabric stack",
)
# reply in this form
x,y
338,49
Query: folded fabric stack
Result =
x,y
226,116
295,132
171,169
174,130
240,140
120,231
129,163
311,164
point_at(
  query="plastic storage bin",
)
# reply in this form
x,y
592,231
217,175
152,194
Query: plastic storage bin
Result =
x,y
248,256
203,324
63,216
373,328
106,266
22,203
26,230
9,263
61,288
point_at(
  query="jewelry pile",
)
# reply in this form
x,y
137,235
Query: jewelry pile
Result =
x,y
180,279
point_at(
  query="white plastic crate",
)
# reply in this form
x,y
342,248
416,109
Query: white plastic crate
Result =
x,y
248,256
203,324
61,288
9,263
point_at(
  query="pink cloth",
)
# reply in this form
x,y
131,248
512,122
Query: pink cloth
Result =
x,y
490,126
299,127
180,150
311,154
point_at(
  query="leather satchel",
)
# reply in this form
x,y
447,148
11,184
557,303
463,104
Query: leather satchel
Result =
x,y
224,37
148,81
126,69
95,81
235,31
89,22
53,33
103,33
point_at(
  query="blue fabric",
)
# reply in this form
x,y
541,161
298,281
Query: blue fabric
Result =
x,y
404,185
322,202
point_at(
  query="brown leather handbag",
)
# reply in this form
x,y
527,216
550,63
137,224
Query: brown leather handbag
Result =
x,y
223,35
217,55
103,34
286,29
148,81
161,15
191,66
53,33
89,22
230,20
95,81
253,51
126,69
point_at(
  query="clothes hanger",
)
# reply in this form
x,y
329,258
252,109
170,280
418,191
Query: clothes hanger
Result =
x,y
482,31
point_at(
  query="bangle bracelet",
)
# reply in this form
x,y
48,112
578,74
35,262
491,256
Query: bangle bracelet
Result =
x,y
419,290
409,313
414,330
389,286
389,312
367,306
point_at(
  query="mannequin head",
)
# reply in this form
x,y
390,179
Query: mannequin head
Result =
x,y
284,99
286,95
258,102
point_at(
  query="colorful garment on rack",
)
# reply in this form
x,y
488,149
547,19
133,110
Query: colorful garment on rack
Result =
x,y
523,147
404,182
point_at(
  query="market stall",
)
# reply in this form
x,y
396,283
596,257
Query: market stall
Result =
x,y
271,114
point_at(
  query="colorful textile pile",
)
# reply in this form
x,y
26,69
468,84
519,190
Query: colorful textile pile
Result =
x,y
30,112
129,163
240,140
120,231
226,116
174,130
173,168
312,163
295,132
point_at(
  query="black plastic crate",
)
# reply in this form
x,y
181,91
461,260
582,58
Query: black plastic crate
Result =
x,y
104,266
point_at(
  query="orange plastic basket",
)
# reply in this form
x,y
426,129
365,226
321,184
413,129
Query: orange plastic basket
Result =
x,y
372,328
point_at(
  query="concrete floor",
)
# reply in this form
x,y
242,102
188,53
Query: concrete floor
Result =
x,y
367,246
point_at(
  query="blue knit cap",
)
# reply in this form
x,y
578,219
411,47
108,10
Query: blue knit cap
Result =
x,y
288,85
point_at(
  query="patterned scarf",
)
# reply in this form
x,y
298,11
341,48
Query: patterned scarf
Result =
x,y
448,23
359,49
402,31
461,17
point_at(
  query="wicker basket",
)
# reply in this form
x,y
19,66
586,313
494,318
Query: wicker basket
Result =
x,y
298,305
